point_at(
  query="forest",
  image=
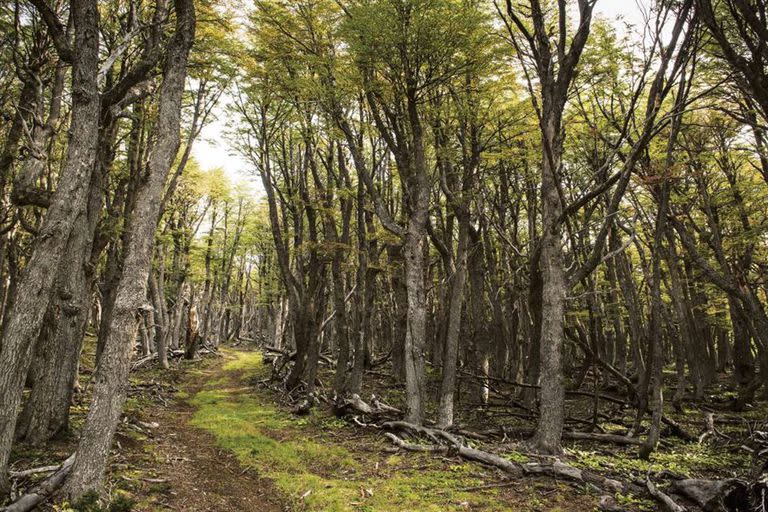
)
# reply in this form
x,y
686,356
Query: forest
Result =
x,y
383,255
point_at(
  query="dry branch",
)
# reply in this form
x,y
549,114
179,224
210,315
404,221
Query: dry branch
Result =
x,y
556,469
43,490
34,471
668,503
612,438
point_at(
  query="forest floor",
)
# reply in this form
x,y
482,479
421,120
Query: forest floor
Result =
x,y
204,436
222,444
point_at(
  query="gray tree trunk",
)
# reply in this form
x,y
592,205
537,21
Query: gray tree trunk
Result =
x,y
415,240
111,379
552,392
451,353
46,412
68,202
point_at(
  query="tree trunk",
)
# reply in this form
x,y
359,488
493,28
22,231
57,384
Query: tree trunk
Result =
x,y
416,321
161,324
552,394
111,379
191,338
399,309
46,412
68,202
655,365
451,352
743,360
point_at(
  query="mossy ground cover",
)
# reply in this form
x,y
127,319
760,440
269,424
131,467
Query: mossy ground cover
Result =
x,y
322,464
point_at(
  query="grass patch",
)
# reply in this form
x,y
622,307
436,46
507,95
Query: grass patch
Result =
x,y
326,474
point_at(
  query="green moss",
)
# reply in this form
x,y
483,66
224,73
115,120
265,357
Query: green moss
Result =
x,y
323,474
689,459
518,457
243,361
630,500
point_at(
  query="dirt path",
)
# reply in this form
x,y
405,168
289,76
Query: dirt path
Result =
x,y
220,444
189,471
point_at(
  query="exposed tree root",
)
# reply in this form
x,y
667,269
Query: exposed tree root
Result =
x,y
304,405
710,495
712,431
678,431
34,471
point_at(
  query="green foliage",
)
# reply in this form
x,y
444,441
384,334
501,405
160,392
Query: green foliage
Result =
x,y
404,40
689,459
630,500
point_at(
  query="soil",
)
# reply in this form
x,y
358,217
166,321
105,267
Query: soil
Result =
x,y
177,466
197,475
180,467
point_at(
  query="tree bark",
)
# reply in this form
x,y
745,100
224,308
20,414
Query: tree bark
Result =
x,y
552,394
46,412
111,379
68,202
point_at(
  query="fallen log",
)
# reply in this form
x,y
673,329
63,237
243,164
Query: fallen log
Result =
x,y
612,438
714,495
486,458
556,469
42,491
559,469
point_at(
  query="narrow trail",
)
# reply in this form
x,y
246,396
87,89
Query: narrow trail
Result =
x,y
221,444
192,473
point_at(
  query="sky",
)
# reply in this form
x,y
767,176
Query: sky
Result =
x,y
631,10
212,148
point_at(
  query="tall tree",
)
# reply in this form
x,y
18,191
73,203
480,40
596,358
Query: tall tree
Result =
x,y
555,59
111,379
67,204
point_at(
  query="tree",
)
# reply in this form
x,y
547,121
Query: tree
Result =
x,y
112,373
555,60
68,202
402,56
